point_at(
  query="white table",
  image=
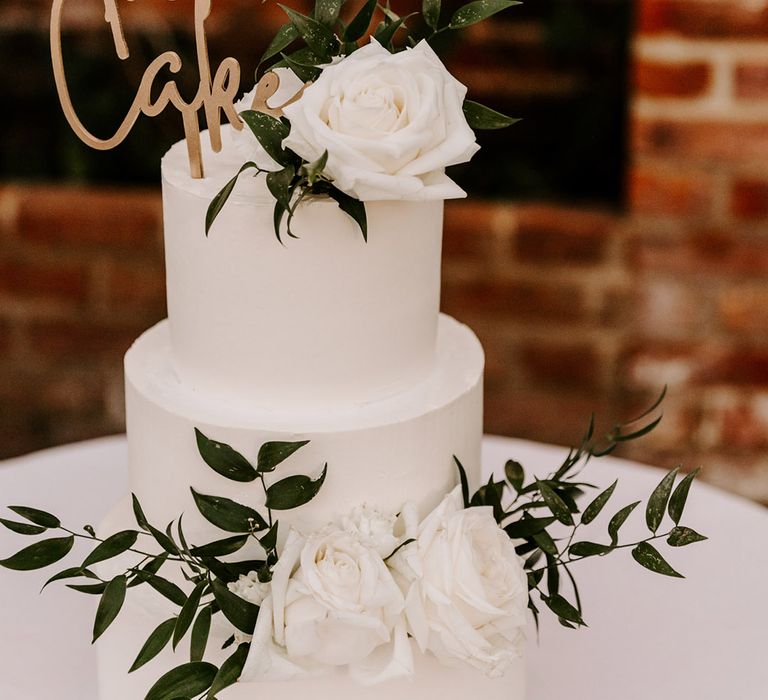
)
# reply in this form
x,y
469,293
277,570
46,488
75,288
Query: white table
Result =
x,y
650,637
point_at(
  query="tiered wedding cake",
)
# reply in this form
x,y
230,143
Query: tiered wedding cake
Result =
x,y
327,338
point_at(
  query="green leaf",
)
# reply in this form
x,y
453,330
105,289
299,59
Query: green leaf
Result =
x,y
224,460
38,517
138,513
360,22
680,496
221,548
284,37
618,520
354,207
313,171
555,503
527,527
545,541
164,540
238,611
269,541
277,218
477,11
151,567
385,33
553,576
218,202
230,671
480,117
463,480
327,11
228,515
183,682
279,185
40,554
562,608
303,63
110,605
657,503
515,474
648,556
187,613
269,132
165,588
430,10
294,491
200,632
74,572
273,453
23,528
113,546
155,644
682,536
319,38
88,588
594,508
588,549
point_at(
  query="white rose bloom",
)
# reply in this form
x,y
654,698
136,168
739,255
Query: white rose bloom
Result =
x,y
465,587
244,141
372,528
391,124
333,603
250,588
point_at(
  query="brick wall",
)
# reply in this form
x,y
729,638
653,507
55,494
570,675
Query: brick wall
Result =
x,y
579,309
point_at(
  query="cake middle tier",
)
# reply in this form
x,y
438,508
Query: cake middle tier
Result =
x,y
323,319
383,454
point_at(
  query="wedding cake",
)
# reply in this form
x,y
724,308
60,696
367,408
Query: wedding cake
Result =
x,y
307,511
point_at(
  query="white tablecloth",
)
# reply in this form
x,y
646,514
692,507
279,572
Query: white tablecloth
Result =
x,y
649,637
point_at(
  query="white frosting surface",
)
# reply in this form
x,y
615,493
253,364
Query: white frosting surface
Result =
x,y
383,453
324,321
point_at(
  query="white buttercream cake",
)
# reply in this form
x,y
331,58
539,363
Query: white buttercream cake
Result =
x,y
325,338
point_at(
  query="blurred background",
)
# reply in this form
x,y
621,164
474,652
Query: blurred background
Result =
x,y
615,240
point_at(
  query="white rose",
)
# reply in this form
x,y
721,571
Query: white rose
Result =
x,y
391,123
466,590
250,588
333,602
244,140
371,527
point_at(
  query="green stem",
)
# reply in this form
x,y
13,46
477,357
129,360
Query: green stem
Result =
x,y
135,551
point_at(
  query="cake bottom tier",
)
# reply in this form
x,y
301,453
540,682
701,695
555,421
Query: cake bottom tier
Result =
x,y
144,610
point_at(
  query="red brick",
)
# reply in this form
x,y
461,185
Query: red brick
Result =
x,y
75,216
75,341
32,280
654,191
751,80
553,235
704,18
659,79
702,252
707,141
670,308
749,199
744,309
137,287
504,299
734,420
553,416
468,230
685,364
555,365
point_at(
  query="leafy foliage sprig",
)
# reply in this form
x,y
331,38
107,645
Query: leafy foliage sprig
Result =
x,y
203,567
315,40
543,515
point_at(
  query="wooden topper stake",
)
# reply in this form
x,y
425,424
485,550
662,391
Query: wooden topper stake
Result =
x,y
215,94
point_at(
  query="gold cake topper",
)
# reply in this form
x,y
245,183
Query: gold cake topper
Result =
x,y
216,93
